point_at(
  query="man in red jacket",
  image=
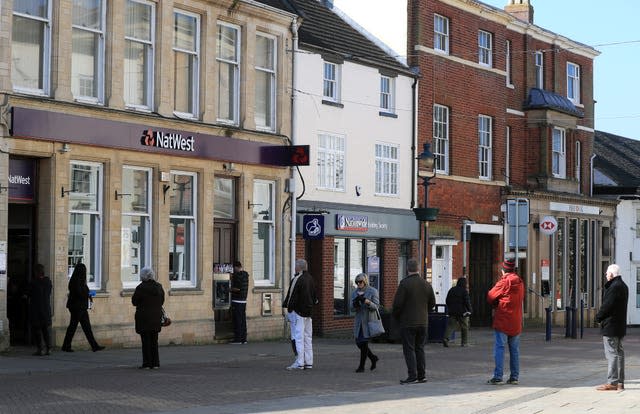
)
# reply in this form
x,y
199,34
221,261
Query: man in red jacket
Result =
x,y
506,297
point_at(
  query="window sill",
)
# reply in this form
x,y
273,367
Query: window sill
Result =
x,y
185,292
387,114
266,289
331,103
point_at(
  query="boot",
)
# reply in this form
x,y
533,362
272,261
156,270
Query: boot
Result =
x,y
363,356
372,357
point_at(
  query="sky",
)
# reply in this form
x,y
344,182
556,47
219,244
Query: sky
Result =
x,y
612,27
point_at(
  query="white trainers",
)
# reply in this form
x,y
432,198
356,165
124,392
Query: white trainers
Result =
x,y
294,367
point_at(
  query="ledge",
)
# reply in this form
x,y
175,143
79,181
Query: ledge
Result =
x,y
331,103
185,292
387,114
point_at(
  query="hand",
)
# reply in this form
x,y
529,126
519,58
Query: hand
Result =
x,y
367,302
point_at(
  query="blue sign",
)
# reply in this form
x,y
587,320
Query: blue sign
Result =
x,y
313,227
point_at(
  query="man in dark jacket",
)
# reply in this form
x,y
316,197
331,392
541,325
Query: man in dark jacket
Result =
x,y
239,289
40,309
612,317
411,305
299,303
459,309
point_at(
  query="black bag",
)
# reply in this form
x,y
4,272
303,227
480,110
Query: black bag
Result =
x,y
165,320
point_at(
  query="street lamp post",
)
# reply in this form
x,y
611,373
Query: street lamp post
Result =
x,y
425,214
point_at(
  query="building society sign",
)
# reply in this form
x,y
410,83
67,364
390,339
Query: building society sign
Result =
x,y
352,223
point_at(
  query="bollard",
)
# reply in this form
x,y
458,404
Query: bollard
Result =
x,y
547,335
567,322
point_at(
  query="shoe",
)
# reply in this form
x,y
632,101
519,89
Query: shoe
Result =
x,y
445,343
620,386
409,381
422,380
360,369
98,348
607,387
308,367
155,367
237,343
374,362
512,381
65,349
144,367
244,342
495,381
294,367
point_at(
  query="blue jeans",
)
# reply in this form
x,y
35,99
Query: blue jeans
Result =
x,y
514,355
413,340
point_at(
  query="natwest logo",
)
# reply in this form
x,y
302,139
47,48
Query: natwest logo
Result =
x,y
169,140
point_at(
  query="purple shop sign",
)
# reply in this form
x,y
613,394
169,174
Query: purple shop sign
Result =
x,y
22,177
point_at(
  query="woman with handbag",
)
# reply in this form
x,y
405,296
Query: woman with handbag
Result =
x,y
148,299
365,301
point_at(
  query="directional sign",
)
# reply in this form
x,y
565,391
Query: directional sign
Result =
x,y
548,225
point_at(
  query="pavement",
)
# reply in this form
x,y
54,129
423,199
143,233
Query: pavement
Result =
x,y
558,376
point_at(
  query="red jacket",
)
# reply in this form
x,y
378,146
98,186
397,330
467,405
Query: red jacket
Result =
x,y
507,296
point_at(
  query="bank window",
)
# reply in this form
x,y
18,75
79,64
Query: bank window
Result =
x,y
352,257
263,209
485,48
484,146
440,33
135,237
224,223
87,57
331,82
560,263
31,46
441,138
386,169
265,67
573,82
85,219
558,156
228,58
186,55
182,229
331,152
138,54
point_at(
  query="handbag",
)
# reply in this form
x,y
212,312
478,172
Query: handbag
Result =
x,y
375,324
165,320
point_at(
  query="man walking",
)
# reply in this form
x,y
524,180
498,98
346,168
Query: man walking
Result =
x,y
507,297
612,317
299,303
411,305
239,290
459,309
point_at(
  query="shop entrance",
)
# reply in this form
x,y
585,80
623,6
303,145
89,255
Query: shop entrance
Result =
x,y
481,277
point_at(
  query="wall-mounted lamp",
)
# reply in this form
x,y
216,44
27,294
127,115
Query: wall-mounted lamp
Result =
x,y
229,166
250,204
119,195
63,191
65,148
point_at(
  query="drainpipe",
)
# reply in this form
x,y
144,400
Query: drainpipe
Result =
x,y
593,156
414,139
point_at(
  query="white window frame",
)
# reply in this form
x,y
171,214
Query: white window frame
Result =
x,y
234,65
94,250
485,138
149,44
508,62
268,228
441,138
194,53
331,162
440,33
559,153
269,123
387,169
193,229
387,94
538,60
485,48
126,237
44,90
331,81
573,82
578,165
638,225
98,78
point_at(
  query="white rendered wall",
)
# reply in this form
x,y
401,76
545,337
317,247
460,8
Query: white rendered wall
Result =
x,y
627,242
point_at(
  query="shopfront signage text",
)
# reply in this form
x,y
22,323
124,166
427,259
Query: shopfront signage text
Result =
x,y
352,223
168,140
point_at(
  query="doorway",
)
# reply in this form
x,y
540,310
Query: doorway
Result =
x,y
481,277
441,276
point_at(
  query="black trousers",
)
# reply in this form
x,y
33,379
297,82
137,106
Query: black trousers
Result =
x,y
150,356
40,333
239,317
413,340
81,317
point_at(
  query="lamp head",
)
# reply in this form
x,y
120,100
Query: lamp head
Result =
x,y
426,159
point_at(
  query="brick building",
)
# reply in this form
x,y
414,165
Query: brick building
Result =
x,y
508,108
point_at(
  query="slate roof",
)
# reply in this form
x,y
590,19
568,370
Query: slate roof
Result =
x,y
327,29
618,158
542,99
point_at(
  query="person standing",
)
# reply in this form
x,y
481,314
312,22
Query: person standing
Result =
x,y
299,303
78,303
411,305
459,309
148,299
239,289
507,296
612,317
364,300
40,310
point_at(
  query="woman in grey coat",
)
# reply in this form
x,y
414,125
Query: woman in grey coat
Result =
x,y
364,300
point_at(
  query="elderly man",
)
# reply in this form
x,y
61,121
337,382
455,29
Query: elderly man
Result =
x,y
612,317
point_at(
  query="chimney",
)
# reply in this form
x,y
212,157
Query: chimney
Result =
x,y
520,9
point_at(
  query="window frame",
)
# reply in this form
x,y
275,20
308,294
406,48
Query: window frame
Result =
x,y
559,153
538,61
331,177
441,143
508,63
573,82
99,56
440,37
485,48
331,82
387,169
387,94
485,147
193,236
149,70
578,164
270,113
46,39
195,69
270,227
234,64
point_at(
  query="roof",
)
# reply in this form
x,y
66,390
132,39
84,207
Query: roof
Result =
x,y
327,29
618,158
542,99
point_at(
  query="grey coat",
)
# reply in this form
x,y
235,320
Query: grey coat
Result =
x,y
363,312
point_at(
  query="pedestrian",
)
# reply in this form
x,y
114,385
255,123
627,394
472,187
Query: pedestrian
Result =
x,y
364,300
507,296
78,302
40,310
239,289
299,303
612,317
148,299
412,303
459,309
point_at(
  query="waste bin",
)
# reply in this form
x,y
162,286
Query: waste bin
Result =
x,y
437,323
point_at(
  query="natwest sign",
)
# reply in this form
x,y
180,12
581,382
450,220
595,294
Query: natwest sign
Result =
x,y
164,140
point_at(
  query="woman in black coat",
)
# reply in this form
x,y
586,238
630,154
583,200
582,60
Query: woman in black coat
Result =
x,y
148,300
78,303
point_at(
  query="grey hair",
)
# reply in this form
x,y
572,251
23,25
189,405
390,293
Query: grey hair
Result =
x,y
412,265
146,273
614,269
301,264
